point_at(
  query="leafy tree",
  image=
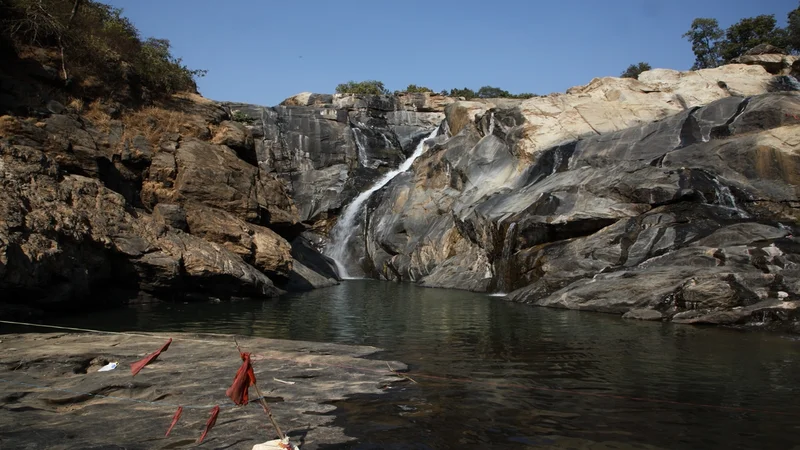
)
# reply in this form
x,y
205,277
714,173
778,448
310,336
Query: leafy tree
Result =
x,y
369,87
162,71
413,88
486,92
793,30
634,70
749,32
492,92
705,35
467,93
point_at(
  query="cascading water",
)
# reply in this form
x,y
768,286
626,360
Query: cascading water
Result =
x,y
726,199
340,234
360,140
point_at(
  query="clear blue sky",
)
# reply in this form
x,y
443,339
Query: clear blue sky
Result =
x,y
262,51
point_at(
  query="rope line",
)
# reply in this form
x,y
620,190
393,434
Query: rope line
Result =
x,y
117,398
445,379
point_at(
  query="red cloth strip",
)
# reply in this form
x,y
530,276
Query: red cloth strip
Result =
x,y
139,365
210,424
174,420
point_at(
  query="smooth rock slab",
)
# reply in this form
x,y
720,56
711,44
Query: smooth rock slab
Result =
x,y
44,379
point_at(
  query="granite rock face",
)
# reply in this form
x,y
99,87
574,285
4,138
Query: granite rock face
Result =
x,y
118,211
328,148
675,196
68,241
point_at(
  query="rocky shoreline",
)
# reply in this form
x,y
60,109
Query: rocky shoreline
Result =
x,y
52,395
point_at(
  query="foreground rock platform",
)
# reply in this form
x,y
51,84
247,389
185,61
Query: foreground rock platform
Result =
x,y
52,396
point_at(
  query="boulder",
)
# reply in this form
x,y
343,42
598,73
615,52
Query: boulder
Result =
x,y
216,176
765,49
258,246
237,137
774,63
424,101
308,99
170,215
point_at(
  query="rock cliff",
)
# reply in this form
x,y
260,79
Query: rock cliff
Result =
x,y
106,203
671,197
675,196
328,148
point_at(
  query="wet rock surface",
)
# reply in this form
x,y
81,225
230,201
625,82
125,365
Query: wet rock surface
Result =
x,y
52,396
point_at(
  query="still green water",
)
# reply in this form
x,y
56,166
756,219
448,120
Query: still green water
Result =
x,y
534,372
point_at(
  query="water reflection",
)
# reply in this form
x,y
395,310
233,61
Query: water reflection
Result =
x,y
517,358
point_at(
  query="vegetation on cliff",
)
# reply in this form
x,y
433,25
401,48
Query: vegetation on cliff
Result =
x,y
95,48
634,70
369,87
713,47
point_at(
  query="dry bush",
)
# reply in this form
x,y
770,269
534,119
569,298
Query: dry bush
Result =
x,y
9,126
153,122
96,113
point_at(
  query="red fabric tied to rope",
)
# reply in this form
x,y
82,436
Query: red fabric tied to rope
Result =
x,y
245,377
210,423
174,420
139,365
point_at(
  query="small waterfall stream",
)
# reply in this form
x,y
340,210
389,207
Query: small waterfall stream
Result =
x,y
726,199
340,234
361,145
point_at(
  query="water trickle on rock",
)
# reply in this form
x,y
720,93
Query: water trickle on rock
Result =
x,y
726,199
341,232
361,145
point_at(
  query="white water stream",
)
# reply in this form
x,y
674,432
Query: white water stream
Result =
x,y
340,234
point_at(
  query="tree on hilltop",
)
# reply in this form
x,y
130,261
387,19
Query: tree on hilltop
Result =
x,y
634,70
369,87
704,35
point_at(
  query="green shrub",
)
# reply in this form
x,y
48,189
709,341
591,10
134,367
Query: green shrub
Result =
x,y
414,89
467,93
163,72
634,70
242,117
486,92
369,87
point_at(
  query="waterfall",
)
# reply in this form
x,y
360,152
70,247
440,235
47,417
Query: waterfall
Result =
x,y
340,234
387,141
359,137
491,124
